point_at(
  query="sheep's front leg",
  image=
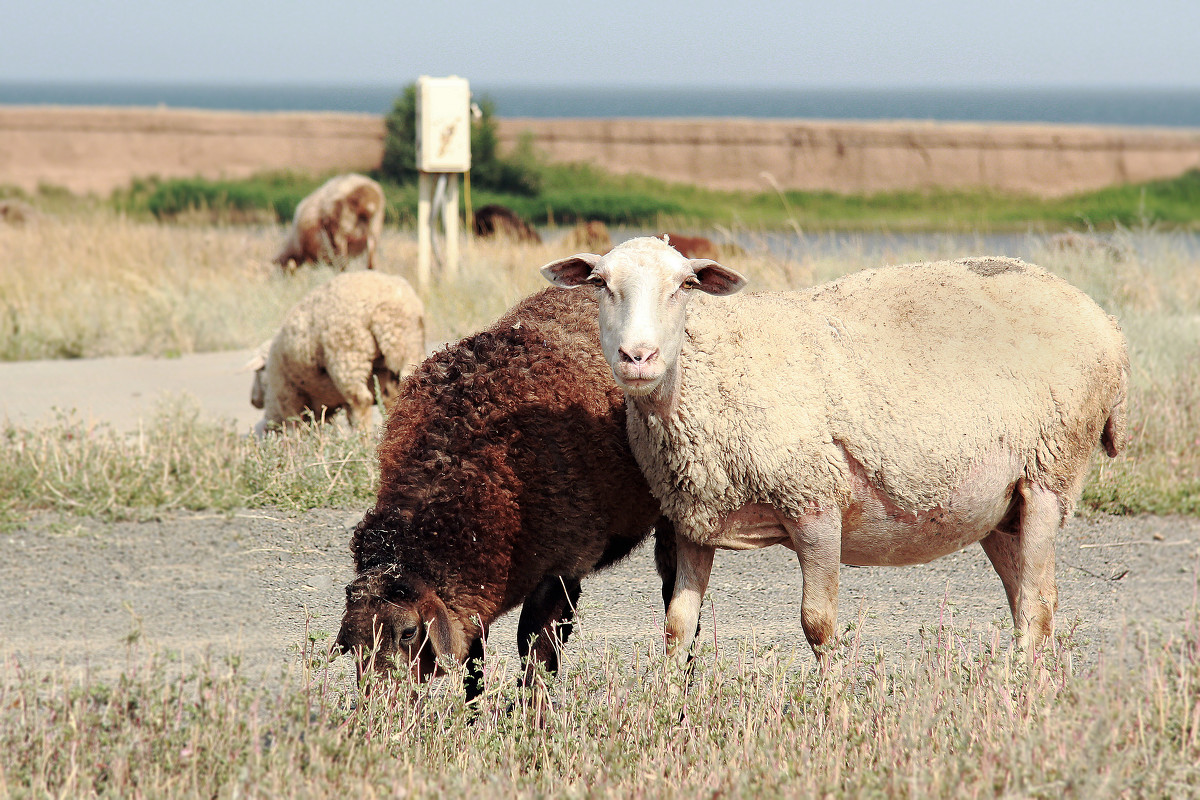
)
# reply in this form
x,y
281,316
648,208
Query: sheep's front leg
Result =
x,y
372,243
692,568
546,621
817,540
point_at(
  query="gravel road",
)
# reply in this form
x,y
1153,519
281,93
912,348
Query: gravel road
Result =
x,y
250,583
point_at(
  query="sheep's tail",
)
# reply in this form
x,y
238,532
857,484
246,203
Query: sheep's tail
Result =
x,y
1113,437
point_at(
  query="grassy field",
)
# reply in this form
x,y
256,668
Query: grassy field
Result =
x,y
569,192
960,718
100,284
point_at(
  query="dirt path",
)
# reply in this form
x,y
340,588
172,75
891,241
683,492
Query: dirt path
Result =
x,y
75,589
123,390
72,590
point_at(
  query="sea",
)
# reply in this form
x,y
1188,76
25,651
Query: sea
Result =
x,y
1090,106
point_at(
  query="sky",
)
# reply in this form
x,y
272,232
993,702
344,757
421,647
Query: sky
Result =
x,y
618,43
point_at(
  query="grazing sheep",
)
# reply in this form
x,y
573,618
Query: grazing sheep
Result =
x,y
333,344
890,417
505,477
692,246
342,219
503,222
591,236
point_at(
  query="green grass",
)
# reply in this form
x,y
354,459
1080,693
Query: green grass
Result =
x,y
570,192
960,718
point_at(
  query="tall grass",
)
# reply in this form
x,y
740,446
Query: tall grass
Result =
x,y
962,718
568,192
180,461
102,285
107,285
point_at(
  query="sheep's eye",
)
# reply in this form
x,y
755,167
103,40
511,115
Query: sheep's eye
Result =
x,y
408,635
596,280
690,282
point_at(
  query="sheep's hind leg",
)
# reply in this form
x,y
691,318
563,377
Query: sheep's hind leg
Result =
x,y
1024,560
546,622
351,376
817,540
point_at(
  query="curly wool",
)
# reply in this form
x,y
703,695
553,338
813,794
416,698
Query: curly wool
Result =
x,y
335,339
915,372
504,461
342,218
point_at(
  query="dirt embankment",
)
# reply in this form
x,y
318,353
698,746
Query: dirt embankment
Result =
x,y
100,149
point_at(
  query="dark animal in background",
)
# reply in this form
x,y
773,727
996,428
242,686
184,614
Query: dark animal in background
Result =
x,y
502,222
505,478
342,219
693,246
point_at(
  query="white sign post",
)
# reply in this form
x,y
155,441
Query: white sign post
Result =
x,y
443,151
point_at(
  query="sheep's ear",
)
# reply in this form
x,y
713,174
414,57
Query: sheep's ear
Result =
x,y
716,279
259,359
254,364
447,637
571,272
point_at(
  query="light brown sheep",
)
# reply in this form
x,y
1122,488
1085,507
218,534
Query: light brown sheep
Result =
x,y
332,347
342,219
592,236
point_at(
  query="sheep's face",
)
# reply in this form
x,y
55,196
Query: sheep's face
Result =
x,y
258,364
258,389
396,623
643,288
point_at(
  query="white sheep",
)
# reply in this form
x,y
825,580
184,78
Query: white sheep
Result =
x,y
334,344
340,220
890,417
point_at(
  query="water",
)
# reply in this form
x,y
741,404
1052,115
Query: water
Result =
x,y
1149,107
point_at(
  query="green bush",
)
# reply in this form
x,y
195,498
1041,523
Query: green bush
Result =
x,y
270,194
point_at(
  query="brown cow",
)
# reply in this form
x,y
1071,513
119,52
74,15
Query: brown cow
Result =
x,y
692,246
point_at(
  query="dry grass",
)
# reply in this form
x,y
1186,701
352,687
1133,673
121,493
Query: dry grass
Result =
x,y
98,284
962,718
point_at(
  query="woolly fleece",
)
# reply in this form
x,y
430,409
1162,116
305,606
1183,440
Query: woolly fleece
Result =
x,y
342,218
333,341
916,372
505,462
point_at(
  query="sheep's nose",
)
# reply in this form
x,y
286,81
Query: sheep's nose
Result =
x,y
639,355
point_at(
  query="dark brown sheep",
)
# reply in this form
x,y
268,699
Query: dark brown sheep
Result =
x,y
503,222
505,477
